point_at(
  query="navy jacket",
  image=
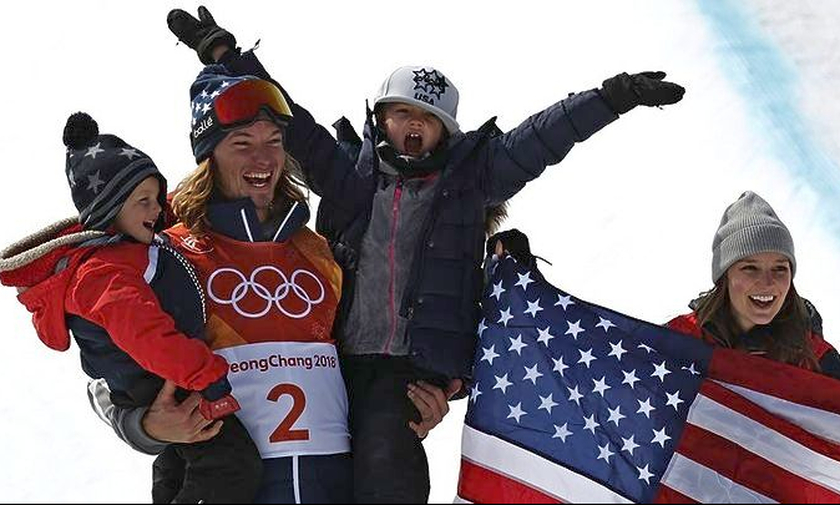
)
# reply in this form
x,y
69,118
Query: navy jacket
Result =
x,y
445,283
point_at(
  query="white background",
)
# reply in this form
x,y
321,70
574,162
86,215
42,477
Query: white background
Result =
x,y
627,219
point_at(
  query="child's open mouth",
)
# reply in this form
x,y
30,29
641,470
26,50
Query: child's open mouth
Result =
x,y
413,144
257,179
149,225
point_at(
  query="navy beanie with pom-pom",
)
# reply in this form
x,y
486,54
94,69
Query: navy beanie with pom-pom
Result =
x,y
102,171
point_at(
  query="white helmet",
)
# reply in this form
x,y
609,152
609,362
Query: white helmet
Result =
x,y
423,87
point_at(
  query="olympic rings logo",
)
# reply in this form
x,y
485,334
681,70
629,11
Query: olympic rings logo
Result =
x,y
286,286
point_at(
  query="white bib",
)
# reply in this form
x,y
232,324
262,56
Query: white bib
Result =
x,y
293,398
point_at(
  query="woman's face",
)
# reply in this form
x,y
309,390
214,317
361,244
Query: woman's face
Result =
x,y
249,161
758,286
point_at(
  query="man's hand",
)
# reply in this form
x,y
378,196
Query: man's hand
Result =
x,y
170,421
432,403
623,92
202,34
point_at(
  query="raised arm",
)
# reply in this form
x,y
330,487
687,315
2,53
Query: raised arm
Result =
x,y
545,138
328,170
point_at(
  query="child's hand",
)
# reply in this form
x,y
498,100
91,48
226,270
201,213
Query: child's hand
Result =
x,y
623,92
170,421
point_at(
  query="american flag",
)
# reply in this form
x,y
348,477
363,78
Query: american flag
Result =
x,y
572,402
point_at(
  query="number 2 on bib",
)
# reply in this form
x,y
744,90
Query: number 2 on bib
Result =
x,y
284,431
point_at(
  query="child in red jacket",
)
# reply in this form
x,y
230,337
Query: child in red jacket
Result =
x,y
134,306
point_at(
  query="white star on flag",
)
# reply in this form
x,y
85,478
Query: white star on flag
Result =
x,y
516,344
489,354
645,347
586,357
574,329
604,452
475,393
502,383
601,386
498,290
615,415
605,323
674,400
532,374
533,308
659,437
590,423
645,408
574,396
561,432
630,378
481,327
545,336
524,280
644,473
690,369
660,371
516,412
547,403
559,366
564,301
629,444
506,316
617,350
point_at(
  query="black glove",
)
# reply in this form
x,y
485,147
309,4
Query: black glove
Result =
x,y
515,243
202,34
623,92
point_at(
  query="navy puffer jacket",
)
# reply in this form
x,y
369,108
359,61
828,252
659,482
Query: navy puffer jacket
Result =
x,y
442,295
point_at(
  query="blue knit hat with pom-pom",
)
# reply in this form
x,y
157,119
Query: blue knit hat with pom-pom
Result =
x,y
103,171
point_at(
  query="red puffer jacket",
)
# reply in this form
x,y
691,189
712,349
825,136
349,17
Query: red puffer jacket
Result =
x,y
826,355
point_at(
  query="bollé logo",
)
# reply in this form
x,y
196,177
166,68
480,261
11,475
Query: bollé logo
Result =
x,y
202,126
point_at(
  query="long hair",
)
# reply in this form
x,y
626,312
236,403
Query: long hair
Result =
x,y
189,203
789,329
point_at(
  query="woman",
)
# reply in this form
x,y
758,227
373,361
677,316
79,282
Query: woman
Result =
x,y
272,290
754,305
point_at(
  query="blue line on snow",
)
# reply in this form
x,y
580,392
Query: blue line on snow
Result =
x,y
767,81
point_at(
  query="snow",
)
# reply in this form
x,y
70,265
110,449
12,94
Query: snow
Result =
x,y
627,218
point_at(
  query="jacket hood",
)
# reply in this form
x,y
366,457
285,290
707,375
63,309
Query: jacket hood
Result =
x,y
36,257
41,266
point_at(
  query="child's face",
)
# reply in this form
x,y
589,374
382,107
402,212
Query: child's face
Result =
x,y
140,211
410,129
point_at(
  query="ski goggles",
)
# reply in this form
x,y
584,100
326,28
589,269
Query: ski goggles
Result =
x,y
241,103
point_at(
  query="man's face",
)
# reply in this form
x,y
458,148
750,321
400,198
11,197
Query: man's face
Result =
x,y
250,161
411,130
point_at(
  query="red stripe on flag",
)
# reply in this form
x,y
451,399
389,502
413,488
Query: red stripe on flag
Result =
x,y
668,495
749,470
738,403
777,379
481,485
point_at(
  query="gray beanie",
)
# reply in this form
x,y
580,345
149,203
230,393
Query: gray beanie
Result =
x,y
749,226
422,87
